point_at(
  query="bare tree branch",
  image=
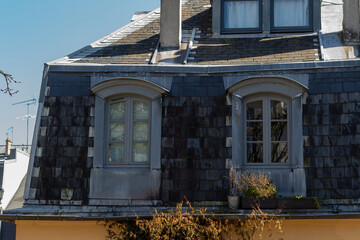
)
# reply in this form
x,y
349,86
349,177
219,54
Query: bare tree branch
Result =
x,y
8,79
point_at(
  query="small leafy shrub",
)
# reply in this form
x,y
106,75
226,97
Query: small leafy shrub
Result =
x,y
256,185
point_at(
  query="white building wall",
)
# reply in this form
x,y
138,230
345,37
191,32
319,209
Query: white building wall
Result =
x,y
14,172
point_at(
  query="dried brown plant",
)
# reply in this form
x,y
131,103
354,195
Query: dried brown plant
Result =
x,y
188,223
8,79
257,185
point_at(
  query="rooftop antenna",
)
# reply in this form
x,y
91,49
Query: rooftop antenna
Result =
x,y
27,116
12,134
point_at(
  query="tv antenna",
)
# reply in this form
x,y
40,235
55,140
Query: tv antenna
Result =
x,y
12,133
27,116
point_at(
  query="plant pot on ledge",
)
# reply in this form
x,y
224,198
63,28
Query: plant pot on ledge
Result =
x,y
234,202
263,203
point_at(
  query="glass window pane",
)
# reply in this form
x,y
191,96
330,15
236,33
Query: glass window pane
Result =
x,y
254,111
279,131
254,131
241,14
291,13
116,153
255,152
140,152
141,131
117,111
278,110
117,132
279,152
141,110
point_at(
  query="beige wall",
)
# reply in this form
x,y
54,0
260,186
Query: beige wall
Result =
x,y
336,229
59,230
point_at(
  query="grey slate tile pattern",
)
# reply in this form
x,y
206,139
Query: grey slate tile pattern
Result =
x,y
68,85
332,124
64,161
138,47
194,135
135,48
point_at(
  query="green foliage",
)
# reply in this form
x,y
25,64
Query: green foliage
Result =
x,y
256,185
317,204
180,224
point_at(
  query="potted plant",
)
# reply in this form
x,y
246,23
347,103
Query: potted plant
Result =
x,y
234,197
257,190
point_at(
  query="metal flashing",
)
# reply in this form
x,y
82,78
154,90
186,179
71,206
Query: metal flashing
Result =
x,y
125,213
209,69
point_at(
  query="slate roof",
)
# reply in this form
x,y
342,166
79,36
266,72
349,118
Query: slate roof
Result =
x,y
137,42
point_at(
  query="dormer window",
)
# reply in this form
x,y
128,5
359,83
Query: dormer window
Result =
x,y
265,16
291,15
241,15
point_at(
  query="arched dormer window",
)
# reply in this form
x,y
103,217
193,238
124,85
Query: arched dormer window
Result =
x,y
267,131
127,141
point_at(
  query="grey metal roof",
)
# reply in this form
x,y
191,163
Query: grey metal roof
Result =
x,y
136,42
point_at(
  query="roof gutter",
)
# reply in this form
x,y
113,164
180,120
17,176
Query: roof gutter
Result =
x,y
230,216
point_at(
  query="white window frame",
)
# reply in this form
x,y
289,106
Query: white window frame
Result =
x,y
289,178
266,99
125,184
128,126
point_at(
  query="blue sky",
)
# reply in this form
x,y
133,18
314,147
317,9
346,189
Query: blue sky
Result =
x,y
35,32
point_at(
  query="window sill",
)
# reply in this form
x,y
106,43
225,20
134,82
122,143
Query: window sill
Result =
x,y
129,166
262,35
267,166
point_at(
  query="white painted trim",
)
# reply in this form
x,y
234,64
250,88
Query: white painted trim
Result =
x,y
104,91
282,86
291,175
42,95
127,86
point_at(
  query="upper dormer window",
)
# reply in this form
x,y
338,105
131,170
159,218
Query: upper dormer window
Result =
x,y
291,15
241,15
256,16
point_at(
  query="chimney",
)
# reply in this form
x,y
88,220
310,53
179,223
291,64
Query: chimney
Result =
x,y
170,24
351,22
8,146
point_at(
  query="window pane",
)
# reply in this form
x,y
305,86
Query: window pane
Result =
x,y
279,152
278,110
241,14
117,111
291,13
141,110
116,153
254,131
255,152
279,131
117,132
140,131
254,110
140,152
